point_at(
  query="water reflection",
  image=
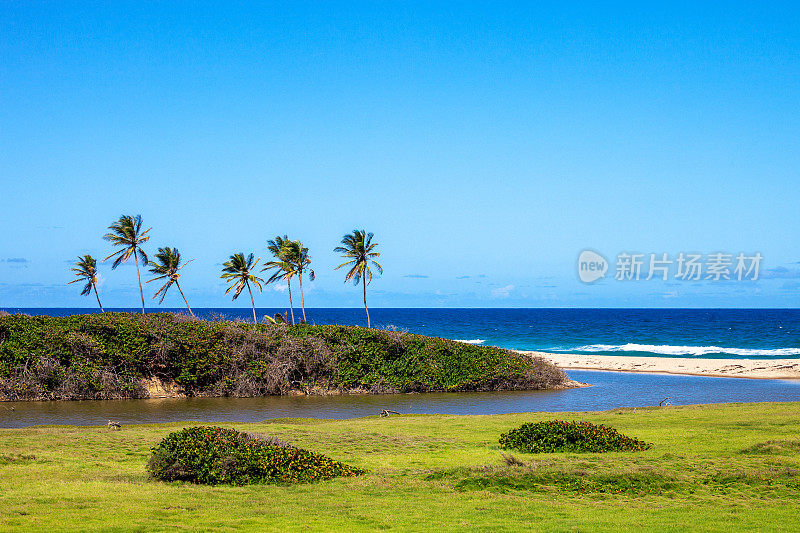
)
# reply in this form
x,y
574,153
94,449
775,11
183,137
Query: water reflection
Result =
x,y
609,390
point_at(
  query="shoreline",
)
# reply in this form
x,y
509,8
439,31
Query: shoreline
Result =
x,y
725,368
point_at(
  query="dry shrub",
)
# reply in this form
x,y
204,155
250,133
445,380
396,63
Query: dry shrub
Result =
x,y
396,336
512,460
27,382
251,342
308,357
544,375
83,345
48,379
272,362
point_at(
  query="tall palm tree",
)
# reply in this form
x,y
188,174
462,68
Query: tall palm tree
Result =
x,y
299,256
359,249
166,267
86,270
126,233
284,268
237,270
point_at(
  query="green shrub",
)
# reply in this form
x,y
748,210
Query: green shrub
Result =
x,y
107,355
560,436
214,455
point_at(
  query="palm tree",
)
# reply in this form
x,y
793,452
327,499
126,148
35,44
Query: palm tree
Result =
x,y
299,256
282,250
237,270
127,234
166,266
358,248
86,270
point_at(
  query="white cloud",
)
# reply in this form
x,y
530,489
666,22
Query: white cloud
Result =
x,y
279,288
502,292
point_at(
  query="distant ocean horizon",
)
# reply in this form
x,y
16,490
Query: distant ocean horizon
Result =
x,y
706,333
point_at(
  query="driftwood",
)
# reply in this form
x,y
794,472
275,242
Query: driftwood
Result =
x,y
387,412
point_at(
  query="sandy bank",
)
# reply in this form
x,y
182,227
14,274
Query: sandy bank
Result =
x,y
730,368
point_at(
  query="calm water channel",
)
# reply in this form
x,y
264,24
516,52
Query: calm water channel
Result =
x,y
609,390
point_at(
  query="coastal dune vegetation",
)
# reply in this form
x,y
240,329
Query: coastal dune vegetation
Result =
x,y
121,355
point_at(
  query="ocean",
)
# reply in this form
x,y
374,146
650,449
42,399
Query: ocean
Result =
x,y
707,333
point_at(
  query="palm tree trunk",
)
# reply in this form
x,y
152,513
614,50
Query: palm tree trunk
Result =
x,y
253,302
291,305
364,283
302,299
98,298
139,276
184,298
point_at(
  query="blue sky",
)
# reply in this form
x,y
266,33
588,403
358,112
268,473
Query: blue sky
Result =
x,y
485,144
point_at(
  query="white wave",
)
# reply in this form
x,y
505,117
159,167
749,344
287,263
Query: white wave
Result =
x,y
666,349
471,341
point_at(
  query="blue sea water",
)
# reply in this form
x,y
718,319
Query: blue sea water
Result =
x,y
708,333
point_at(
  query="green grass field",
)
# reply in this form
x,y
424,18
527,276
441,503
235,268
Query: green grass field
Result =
x,y
712,468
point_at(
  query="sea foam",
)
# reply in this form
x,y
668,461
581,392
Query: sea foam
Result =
x,y
665,349
471,341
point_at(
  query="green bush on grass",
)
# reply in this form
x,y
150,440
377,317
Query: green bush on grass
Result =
x,y
561,436
213,455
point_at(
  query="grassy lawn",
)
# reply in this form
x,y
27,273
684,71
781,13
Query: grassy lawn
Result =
x,y
711,468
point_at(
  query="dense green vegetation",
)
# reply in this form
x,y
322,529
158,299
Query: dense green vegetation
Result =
x,y
214,455
108,355
729,467
560,436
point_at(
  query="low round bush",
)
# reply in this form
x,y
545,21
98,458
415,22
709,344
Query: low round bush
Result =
x,y
213,455
561,436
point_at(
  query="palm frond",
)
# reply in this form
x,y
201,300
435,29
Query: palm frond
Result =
x,y
237,272
358,247
345,264
126,234
85,270
163,290
87,288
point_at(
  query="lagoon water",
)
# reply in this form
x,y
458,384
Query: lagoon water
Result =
x,y
609,390
708,333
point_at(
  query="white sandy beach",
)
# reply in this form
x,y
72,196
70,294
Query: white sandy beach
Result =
x,y
730,368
